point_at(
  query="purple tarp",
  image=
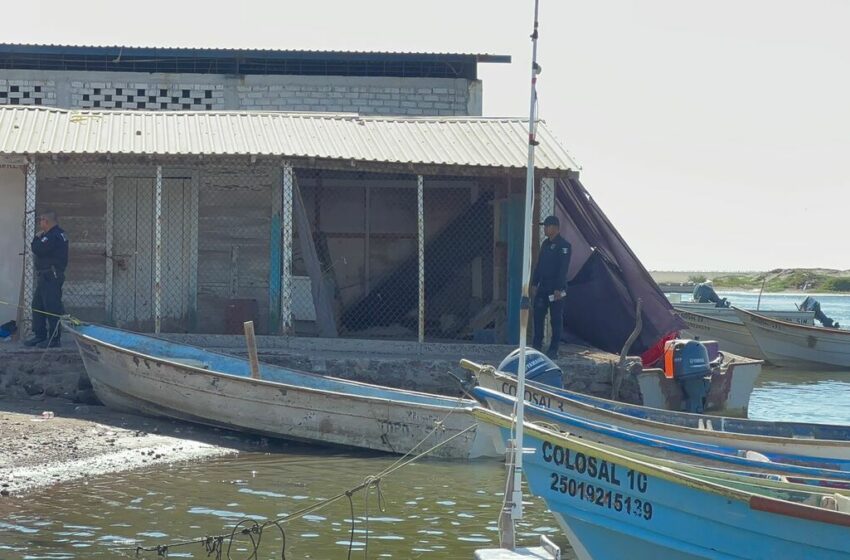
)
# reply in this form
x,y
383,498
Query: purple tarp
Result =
x,y
606,279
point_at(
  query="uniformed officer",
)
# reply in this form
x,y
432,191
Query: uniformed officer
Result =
x,y
550,283
50,248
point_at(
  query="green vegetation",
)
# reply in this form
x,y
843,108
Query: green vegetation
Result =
x,y
697,278
840,284
793,279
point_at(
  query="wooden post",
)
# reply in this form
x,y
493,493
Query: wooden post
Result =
x,y
251,342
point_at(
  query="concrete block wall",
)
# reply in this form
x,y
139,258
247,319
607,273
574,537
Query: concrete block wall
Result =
x,y
27,92
389,96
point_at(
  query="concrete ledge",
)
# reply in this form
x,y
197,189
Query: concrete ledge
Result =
x,y
429,367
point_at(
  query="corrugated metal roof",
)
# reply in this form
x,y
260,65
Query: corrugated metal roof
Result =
x,y
53,48
442,141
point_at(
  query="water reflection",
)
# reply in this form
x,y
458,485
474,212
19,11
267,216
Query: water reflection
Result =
x,y
802,396
426,509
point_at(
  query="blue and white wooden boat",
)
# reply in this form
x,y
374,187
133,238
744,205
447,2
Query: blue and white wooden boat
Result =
x,y
672,448
786,438
147,375
614,506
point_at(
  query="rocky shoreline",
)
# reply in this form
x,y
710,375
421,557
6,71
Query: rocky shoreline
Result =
x,y
81,441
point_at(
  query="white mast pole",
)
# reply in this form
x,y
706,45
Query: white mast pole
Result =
x,y
526,277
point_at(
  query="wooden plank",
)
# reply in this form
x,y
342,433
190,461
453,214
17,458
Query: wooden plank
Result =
x,y
192,285
321,294
143,258
110,209
175,248
251,342
124,248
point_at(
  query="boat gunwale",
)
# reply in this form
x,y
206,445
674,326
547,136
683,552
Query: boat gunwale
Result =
x,y
688,429
463,404
805,328
653,441
669,474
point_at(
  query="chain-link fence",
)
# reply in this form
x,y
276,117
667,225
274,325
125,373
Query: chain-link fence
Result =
x,y
189,245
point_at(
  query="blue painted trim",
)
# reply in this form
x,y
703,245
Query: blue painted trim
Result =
x,y
730,455
275,272
232,365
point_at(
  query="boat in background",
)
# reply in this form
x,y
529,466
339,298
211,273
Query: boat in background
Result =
x,y
615,506
147,375
727,313
732,336
792,345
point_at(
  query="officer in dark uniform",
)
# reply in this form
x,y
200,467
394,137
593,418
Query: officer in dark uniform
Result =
x,y
50,247
550,283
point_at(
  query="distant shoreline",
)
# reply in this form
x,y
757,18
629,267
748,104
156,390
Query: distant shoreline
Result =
x,y
780,280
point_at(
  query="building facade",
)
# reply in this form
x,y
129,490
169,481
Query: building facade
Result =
x,y
157,79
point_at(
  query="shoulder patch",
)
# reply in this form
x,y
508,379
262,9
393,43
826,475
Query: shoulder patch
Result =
x,y
565,250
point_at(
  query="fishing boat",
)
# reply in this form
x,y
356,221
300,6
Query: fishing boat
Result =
x,y
731,335
729,392
788,344
675,449
148,375
786,438
615,506
793,316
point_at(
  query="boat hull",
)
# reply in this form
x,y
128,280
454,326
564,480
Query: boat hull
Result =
x,y
137,382
612,506
791,345
732,336
710,431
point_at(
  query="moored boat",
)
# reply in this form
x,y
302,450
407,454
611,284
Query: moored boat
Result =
x,y
792,345
147,375
614,506
675,449
727,313
731,335
789,438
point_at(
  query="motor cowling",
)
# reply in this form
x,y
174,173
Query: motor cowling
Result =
x,y
687,362
538,367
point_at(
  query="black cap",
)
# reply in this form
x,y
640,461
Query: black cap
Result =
x,y
551,221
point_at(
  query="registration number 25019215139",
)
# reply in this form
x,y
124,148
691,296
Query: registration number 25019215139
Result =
x,y
601,497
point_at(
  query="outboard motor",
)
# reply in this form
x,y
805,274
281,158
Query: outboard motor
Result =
x,y
704,293
811,304
687,362
538,367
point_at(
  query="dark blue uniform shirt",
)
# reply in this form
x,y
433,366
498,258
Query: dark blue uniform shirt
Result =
x,y
51,251
553,263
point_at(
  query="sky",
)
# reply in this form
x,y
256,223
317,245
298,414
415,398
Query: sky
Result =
x,y
714,134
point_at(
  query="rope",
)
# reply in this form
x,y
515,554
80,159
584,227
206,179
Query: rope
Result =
x,y
214,544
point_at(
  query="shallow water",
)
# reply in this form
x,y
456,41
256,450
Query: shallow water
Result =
x,y
431,509
805,396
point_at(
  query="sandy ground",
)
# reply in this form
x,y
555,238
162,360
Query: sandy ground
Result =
x,y
84,440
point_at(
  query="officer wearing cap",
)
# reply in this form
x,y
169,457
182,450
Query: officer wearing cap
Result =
x,y
50,248
550,283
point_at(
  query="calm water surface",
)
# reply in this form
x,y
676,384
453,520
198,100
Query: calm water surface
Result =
x,y
431,509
